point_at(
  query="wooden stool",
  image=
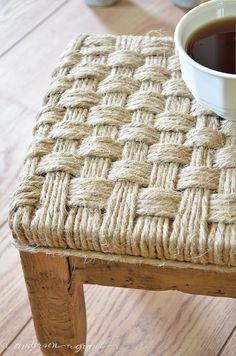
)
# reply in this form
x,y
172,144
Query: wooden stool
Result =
x,y
128,183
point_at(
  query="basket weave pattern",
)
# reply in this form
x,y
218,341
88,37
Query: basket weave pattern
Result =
x,y
124,161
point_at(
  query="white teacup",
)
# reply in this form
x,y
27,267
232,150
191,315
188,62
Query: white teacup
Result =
x,y
214,90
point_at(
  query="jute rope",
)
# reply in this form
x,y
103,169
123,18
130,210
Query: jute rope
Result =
x,y
124,161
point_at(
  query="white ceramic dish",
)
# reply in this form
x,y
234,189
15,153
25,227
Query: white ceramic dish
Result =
x,y
212,89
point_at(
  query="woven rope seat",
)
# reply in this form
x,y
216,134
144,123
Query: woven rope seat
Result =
x,y
125,162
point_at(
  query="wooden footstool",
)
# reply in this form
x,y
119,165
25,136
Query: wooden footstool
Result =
x,y
128,183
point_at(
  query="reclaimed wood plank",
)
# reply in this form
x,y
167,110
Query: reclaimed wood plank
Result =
x,y
57,303
204,280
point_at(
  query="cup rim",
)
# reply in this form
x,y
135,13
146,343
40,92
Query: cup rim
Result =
x,y
182,50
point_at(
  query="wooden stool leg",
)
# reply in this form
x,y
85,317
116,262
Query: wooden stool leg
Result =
x,y
57,304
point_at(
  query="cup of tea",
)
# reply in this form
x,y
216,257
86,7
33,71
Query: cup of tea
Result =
x,y
205,40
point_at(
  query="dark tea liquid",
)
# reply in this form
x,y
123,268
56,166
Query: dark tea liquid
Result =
x,y
214,45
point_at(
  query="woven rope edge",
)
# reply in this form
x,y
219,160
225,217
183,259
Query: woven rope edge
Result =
x,y
91,255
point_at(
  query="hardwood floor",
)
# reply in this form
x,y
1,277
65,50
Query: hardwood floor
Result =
x,y
120,322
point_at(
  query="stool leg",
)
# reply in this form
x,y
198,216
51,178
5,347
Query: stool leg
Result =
x,y
57,304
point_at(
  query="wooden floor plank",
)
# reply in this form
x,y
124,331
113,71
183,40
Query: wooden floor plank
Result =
x,y
25,343
18,18
26,80
229,348
14,306
15,128
133,322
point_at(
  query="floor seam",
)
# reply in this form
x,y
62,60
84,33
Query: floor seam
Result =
x,y
226,341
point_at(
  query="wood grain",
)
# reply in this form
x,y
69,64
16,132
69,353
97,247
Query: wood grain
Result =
x,y
143,276
126,322
18,18
30,79
15,122
25,343
14,306
57,304
155,323
230,346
